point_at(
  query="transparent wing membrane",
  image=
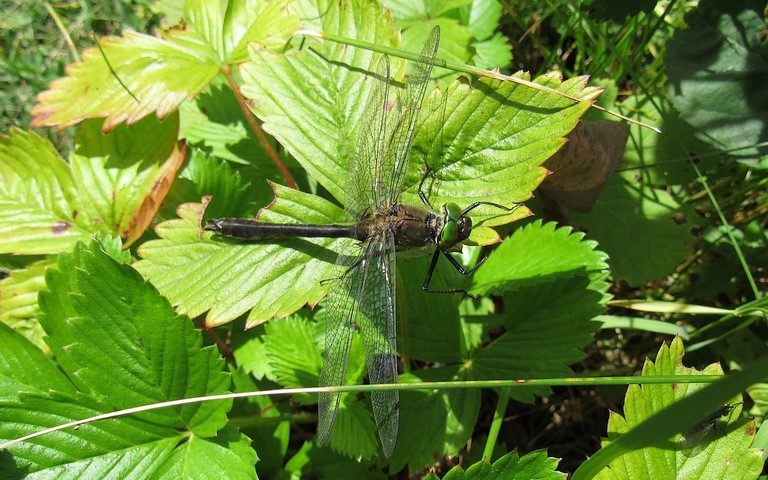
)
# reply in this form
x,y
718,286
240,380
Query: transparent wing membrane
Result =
x,y
364,297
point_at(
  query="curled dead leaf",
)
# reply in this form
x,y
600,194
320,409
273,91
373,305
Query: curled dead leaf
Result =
x,y
583,166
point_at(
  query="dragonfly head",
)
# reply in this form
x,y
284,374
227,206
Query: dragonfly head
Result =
x,y
456,226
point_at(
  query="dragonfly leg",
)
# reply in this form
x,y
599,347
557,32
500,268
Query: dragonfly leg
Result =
x,y
492,204
457,266
422,195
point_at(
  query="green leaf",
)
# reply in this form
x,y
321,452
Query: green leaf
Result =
x,y
716,72
19,307
433,319
123,176
113,184
229,27
547,325
228,454
118,340
312,102
113,247
511,466
549,303
467,31
455,42
100,448
647,439
24,368
121,345
204,175
251,355
662,159
39,198
18,299
493,136
644,230
354,433
437,422
215,123
409,12
495,52
722,274
484,17
147,75
293,353
535,254
266,420
311,460
134,75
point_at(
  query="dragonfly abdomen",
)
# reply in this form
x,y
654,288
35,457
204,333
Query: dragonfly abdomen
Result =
x,y
252,229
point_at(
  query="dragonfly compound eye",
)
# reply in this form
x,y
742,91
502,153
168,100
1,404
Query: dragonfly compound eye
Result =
x,y
454,231
452,212
449,235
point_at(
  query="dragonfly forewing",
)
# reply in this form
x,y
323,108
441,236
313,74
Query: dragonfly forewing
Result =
x,y
401,122
365,175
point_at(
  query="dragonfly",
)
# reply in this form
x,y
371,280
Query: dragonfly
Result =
x,y
362,298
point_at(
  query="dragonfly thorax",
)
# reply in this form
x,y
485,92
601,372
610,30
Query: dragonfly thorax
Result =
x,y
415,227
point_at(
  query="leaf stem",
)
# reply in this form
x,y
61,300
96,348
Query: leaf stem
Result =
x,y
507,384
472,71
249,117
498,418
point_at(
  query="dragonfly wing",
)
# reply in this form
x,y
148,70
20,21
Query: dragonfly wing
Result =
x,y
364,298
401,121
385,138
365,168
342,307
377,325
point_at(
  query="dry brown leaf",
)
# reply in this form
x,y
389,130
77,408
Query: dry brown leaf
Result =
x,y
584,164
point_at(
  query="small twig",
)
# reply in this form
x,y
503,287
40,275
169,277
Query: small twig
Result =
x,y
257,129
112,70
